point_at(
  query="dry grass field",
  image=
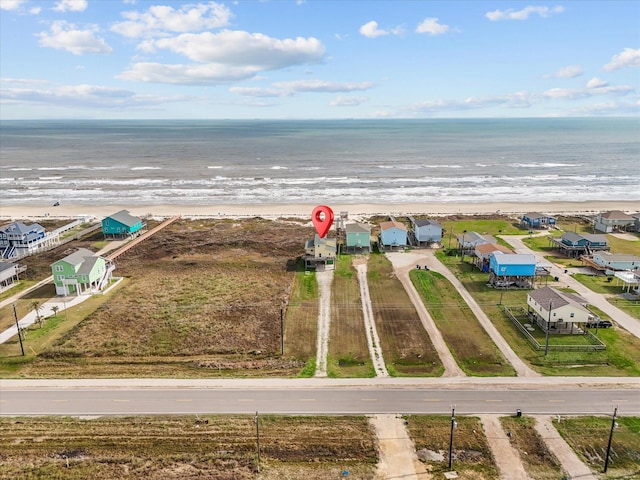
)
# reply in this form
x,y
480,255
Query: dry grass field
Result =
x,y
471,457
181,447
203,298
406,346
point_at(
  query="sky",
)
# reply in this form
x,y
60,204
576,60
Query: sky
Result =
x,y
318,59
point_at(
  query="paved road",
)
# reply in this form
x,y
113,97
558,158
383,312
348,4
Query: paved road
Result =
x,y
548,396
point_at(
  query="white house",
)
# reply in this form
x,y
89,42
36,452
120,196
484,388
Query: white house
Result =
x,y
556,310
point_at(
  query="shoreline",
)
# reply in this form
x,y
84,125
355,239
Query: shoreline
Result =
x,y
274,211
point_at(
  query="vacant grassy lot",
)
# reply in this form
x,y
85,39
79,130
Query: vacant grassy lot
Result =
x,y
301,321
539,462
161,447
203,298
348,349
469,343
471,454
621,358
406,346
589,436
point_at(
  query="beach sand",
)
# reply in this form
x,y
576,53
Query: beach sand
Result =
x,y
274,211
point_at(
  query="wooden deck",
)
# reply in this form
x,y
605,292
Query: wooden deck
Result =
x,y
113,256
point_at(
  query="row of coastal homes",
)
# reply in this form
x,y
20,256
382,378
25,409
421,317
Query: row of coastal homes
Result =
x,y
19,239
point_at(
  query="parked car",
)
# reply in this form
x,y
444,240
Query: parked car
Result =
x,y
600,324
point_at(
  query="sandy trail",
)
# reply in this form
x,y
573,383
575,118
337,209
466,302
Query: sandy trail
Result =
x,y
397,452
324,320
375,350
506,457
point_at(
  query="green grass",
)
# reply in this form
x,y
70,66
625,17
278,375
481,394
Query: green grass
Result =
x,y
406,346
348,348
621,358
588,436
471,346
301,318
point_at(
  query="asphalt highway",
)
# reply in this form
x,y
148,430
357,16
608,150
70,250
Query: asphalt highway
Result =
x,y
350,400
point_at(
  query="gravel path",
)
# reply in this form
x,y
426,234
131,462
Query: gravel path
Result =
x,y
571,463
506,458
373,339
324,320
402,263
397,452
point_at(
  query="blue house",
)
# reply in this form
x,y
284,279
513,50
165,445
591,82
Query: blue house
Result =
x,y
426,231
121,225
537,220
19,239
512,269
574,244
393,234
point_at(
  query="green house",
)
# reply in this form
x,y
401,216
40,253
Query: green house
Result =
x,y
81,272
358,237
121,225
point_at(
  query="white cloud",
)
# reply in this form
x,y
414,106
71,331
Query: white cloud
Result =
x,y
258,92
286,89
200,74
629,57
511,14
163,19
65,36
371,30
348,101
595,82
35,10
570,71
11,4
323,86
242,48
70,6
83,96
432,27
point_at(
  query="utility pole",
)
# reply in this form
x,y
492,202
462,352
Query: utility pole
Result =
x,y
613,425
546,337
15,315
453,425
257,420
282,328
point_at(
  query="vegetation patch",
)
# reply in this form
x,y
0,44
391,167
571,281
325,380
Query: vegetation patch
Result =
x,y
406,346
160,447
589,436
468,342
471,455
539,462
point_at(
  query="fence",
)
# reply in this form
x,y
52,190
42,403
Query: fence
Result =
x,y
596,343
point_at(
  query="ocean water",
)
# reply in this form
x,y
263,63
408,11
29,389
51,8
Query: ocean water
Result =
x,y
324,161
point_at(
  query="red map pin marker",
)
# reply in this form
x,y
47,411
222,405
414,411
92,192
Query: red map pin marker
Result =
x,y
322,224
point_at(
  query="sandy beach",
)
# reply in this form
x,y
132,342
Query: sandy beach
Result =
x,y
273,211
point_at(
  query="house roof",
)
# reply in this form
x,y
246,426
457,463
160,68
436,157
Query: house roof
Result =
x,y
426,222
616,215
358,228
77,257
474,238
87,265
125,218
485,248
536,215
514,258
618,257
6,266
392,224
23,229
590,237
317,241
550,296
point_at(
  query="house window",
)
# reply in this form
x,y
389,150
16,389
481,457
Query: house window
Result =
x,y
572,315
106,222
60,278
59,268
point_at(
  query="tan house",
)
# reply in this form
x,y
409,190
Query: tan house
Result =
x,y
320,253
614,220
557,310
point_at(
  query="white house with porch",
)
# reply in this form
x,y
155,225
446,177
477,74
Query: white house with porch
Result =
x,y
558,311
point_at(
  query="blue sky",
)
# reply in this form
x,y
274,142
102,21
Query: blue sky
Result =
x,y
283,59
